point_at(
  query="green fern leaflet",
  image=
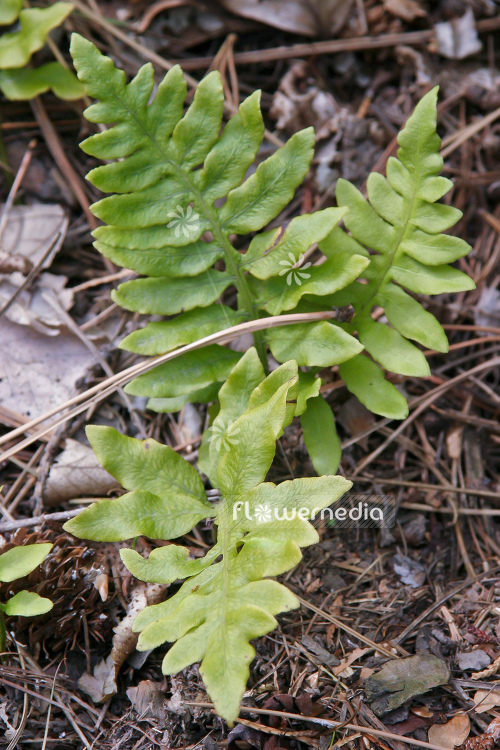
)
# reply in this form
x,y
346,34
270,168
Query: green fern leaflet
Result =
x,y
402,225
17,48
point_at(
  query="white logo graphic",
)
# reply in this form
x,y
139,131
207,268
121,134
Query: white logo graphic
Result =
x,y
292,269
219,436
185,220
262,513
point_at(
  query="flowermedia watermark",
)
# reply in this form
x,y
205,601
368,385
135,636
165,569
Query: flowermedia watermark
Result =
x,y
183,220
352,511
294,269
220,437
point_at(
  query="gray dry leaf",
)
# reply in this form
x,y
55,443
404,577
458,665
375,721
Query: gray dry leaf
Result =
x,y
458,38
401,679
147,699
30,237
411,572
310,17
102,684
77,473
37,372
473,660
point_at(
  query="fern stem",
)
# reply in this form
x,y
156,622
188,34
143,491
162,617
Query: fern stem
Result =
x,y
231,258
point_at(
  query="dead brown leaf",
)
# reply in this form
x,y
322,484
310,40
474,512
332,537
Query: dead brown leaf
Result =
x,y
452,734
311,17
344,666
77,473
486,700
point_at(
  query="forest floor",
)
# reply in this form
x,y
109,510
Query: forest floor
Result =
x,y
429,585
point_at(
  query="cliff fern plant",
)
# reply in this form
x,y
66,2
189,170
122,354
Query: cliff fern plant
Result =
x,y
403,226
228,597
17,563
182,201
17,80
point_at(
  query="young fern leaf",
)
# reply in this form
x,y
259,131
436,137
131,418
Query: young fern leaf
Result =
x,y
17,563
17,47
166,222
228,597
402,226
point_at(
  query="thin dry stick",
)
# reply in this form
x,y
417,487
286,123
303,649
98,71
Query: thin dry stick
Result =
x,y
25,523
330,47
103,389
56,149
327,723
429,399
454,141
433,487
23,168
450,511
342,625
24,718
401,638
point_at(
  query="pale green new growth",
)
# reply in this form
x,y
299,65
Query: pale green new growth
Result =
x,y
17,563
181,196
403,224
228,598
17,48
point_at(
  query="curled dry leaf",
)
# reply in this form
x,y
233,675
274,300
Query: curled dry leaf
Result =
x,y
310,17
452,734
102,684
488,672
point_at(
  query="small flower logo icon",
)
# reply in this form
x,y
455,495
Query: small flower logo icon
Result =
x,y
292,269
262,513
184,220
220,438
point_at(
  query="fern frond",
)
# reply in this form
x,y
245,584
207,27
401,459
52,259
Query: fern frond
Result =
x,y
165,219
17,47
401,225
228,597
